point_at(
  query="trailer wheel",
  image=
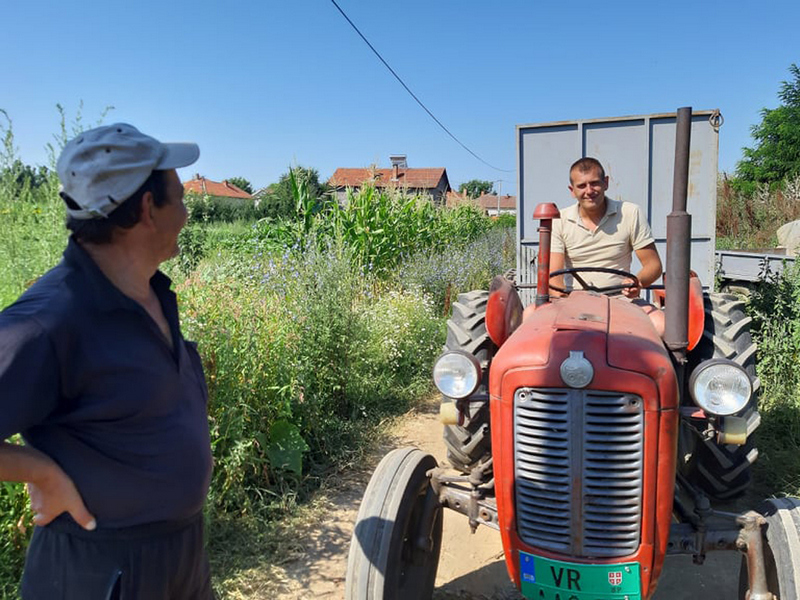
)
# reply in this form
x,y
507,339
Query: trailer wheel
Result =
x,y
741,289
394,551
720,470
781,549
467,444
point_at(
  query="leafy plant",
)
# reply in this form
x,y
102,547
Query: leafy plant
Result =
x,y
34,235
460,267
775,308
215,209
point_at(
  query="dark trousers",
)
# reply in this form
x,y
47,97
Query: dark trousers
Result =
x,y
158,561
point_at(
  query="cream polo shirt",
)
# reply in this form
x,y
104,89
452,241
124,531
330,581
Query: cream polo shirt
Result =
x,y
621,231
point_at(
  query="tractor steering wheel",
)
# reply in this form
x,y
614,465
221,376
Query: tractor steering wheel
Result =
x,y
575,272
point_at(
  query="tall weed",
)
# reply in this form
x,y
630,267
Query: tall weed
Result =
x,y
748,218
33,222
775,308
300,338
460,267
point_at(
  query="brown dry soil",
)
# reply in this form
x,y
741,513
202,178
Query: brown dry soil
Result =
x,y
471,565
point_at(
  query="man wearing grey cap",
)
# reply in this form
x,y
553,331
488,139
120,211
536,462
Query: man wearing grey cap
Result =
x,y
108,396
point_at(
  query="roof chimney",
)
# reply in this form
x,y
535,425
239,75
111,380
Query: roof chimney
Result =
x,y
398,162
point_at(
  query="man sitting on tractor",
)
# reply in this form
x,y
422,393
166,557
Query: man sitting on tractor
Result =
x,y
601,232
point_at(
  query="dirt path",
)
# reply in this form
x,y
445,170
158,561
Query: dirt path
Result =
x,y
471,566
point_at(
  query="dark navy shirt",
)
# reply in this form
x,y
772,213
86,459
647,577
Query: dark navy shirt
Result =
x,y
87,377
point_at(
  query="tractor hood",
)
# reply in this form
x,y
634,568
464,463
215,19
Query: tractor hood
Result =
x,y
613,330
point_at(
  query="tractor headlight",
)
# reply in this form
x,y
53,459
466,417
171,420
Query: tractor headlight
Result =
x,y
457,374
720,387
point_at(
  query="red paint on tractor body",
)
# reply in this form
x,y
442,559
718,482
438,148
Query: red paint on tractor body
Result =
x,y
697,312
503,310
628,356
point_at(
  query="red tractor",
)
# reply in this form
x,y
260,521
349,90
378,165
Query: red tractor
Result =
x,y
593,445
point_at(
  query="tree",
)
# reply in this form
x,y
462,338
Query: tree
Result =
x,y
776,154
242,184
476,187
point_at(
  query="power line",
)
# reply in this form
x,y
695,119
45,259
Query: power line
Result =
x,y
425,108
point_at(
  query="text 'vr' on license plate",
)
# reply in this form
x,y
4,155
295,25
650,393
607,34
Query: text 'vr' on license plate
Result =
x,y
545,579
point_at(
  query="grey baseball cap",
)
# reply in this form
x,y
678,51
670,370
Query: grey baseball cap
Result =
x,y
101,168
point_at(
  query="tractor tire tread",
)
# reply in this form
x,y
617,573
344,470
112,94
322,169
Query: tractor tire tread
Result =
x,y
470,442
724,471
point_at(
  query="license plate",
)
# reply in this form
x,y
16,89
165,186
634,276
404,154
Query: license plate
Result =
x,y
545,579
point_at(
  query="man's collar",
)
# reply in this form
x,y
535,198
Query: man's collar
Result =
x,y
572,212
104,294
612,206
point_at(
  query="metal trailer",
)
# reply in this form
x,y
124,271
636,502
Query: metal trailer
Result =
x,y
740,271
638,155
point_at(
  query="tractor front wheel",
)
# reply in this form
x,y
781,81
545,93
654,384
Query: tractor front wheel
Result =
x,y
723,470
469,442
394,552
781,549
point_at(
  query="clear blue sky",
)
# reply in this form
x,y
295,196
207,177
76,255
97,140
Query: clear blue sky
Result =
x,y
264,85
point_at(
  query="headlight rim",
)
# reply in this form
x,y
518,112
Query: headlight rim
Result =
x,y
475,363
704,366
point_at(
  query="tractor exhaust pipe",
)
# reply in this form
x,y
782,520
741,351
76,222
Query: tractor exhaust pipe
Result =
x,y
545,213
679,240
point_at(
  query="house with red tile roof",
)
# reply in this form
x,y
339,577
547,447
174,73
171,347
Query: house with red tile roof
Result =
x,y
454,198
491,204
495,205
206,187
430,181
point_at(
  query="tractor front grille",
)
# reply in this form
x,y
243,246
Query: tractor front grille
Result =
x,y
578,465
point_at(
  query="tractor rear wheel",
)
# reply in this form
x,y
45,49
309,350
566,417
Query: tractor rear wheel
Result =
x,y
394,552
470,442
781,549
723,470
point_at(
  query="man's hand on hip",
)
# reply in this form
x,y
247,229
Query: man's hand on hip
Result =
x,y
55,493
51,490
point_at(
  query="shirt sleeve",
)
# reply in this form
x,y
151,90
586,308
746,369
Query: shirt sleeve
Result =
x,y
29,386
641,235
557,237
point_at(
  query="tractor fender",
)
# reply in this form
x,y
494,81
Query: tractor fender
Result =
x,y
503,310
696,309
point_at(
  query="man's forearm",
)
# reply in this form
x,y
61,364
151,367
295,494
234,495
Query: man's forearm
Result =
x,y
649,275
651,265
24,464
51,490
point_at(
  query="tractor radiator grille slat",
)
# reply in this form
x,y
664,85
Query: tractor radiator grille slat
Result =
x,y
578,461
